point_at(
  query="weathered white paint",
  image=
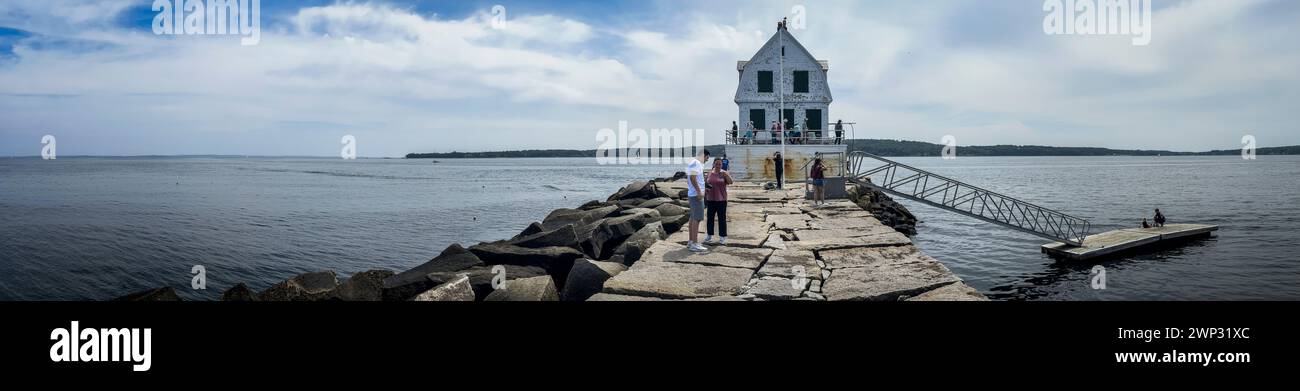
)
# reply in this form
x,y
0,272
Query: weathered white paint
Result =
x,y
755,162
797,58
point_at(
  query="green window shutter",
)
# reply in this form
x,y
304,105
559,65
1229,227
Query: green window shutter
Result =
x,y
789,119
801,82
764,81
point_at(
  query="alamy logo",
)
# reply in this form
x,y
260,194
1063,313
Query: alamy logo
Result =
x,y
49,149
102,345
498,277
638,146
1099,17
1097,278
800,279
798,17
200,280
498,21
349,151
210,17
949,151
1248,147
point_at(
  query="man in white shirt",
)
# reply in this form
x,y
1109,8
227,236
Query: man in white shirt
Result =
x,y
695,192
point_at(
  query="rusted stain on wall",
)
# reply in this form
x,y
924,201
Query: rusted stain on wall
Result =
x,y
758,162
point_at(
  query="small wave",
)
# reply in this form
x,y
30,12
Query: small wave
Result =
x,y
342,174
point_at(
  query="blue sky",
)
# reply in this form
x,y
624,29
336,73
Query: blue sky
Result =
x,y
419,76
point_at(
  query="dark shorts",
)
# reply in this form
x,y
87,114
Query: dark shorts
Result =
x,y
819,182
697,208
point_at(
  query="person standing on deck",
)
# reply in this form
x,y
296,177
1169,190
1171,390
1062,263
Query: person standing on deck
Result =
x,y
695,192
715,199
1160,218
797,134
735,131
749,132
777,134
780,170
818,175
839,131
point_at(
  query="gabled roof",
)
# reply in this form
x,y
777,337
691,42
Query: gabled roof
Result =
x,y
775,42
740,65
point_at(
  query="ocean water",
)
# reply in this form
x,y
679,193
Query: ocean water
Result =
x,y
1254,256
97,228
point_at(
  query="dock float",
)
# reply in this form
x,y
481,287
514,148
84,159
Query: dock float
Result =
x,y
1111,242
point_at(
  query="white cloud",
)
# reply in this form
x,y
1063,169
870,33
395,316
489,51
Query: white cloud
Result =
x,y
406,82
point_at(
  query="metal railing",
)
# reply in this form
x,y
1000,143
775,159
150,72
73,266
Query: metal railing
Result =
x,y
773,137
944,193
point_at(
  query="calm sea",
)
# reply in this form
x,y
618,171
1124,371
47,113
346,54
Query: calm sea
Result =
x,y
97,228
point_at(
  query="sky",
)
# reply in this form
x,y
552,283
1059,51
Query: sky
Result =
x,y
440,76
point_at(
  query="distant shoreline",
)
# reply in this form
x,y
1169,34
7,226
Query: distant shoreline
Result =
x,y
895,148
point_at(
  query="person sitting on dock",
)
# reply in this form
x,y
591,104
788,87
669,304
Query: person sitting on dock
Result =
x,y
695,192
1160,218
1145,224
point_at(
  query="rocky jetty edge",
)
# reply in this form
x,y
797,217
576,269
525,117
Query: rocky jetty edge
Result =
x,y
631,247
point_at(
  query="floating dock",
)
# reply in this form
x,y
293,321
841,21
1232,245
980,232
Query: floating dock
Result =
x,y
1111,242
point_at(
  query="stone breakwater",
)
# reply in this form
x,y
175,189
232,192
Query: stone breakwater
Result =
x,y
631,247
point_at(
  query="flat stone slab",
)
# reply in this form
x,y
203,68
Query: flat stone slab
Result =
x,y
747,233
788,222
823,234
774,241
825,213
740,232
674,280
957,291
752,207
868,256
843,222
727,256
776,288
782,210
613,297
782,263
887,280
888,239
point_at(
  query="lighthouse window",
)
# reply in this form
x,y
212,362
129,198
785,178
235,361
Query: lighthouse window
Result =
x,y
758,117
814,118
764,81
801,81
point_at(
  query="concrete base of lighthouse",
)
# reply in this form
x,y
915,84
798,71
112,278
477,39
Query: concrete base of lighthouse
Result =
x,y
756,163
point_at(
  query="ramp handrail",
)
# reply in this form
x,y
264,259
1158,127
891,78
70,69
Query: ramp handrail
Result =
x,y
952,195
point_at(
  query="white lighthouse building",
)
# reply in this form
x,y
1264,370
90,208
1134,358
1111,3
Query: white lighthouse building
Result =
x,y
784,101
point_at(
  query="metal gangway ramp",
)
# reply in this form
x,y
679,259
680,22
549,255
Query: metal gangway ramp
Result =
x,y
945,193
